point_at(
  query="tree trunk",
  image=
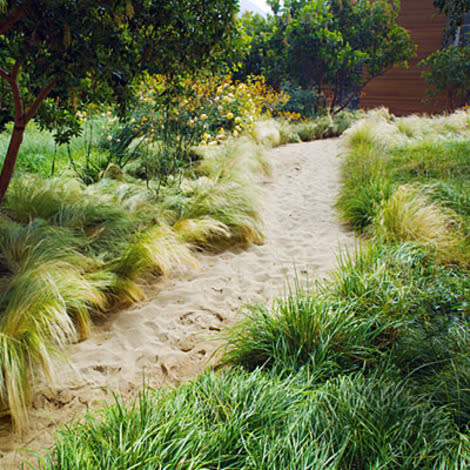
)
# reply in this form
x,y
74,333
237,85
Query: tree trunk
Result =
x,y
10,159
21,120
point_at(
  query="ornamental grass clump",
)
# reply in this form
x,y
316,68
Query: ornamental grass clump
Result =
x,y
239,159
71,251
157,249
224,191
307,329
408,216
45,301
228,203
294,129
427,155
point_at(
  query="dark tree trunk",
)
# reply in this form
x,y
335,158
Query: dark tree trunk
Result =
x,y
10,159
22,118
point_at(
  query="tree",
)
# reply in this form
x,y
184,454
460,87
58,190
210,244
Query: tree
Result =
x,y
455,10
448,71
58,55
332,46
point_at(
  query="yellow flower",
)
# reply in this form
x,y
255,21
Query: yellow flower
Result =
x,y
235,133
206,136
203,117
238,119
213,143
203,142
109,137
230,116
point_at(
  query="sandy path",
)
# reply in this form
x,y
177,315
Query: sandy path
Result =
x,y
170,338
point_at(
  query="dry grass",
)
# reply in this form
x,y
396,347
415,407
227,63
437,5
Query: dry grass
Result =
x,y
409,216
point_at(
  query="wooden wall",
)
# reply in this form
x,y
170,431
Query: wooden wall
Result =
x,y
399,89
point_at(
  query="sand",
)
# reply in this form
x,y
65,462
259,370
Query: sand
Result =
x,y
172,337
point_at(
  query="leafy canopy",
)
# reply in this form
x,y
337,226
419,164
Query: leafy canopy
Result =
x,y
455,10
448,71
333,46
92,50
74,52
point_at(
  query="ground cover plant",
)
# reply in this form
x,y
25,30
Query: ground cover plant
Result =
x,y
367,370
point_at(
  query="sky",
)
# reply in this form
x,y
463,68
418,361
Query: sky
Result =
x,y
262,4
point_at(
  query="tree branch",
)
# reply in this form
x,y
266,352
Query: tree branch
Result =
x,y
5,75
345,104
4,27
15,90
351,96
39,99
14,71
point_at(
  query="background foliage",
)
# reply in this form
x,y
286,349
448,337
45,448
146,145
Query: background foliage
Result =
x,y
332,48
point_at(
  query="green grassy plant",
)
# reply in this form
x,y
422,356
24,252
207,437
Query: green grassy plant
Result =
x,y
230,203
201,232
239,159
287,132
158,250
430,158
317,128
306,329
38,151
240,420
360,205
384,153
45,301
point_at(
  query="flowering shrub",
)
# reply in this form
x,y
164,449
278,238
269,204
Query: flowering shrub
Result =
x,y
290,116
211,108
171,117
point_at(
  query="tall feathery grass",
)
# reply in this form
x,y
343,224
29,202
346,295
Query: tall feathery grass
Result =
x,y
70,251
386,155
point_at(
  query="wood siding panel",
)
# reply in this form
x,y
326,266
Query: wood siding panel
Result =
x,y
402,90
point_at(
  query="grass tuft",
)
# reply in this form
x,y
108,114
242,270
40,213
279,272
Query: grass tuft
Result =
x,y
257,420
408,216
305,328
